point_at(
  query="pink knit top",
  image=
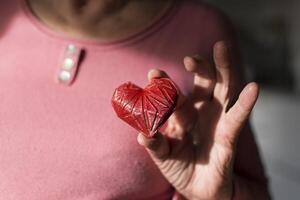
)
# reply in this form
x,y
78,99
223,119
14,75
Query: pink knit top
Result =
x,y
59,136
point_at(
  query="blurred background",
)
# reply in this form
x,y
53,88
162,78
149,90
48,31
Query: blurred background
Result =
x,y
269,35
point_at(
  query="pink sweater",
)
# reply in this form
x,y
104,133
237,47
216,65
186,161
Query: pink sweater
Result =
x,y
59,136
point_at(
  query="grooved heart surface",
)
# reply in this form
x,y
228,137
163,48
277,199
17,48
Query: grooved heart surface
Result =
x,y
147,109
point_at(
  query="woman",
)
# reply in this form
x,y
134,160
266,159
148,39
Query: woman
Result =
x,y
60,63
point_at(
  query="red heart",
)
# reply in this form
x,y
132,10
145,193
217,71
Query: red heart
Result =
x,y
147,109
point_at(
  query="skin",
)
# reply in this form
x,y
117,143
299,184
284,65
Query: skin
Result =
x,y
197,151
197,156
98,19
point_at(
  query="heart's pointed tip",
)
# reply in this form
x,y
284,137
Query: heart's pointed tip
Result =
x,y
152,134
149,134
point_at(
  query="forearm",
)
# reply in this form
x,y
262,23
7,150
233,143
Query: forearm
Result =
x,y
245,189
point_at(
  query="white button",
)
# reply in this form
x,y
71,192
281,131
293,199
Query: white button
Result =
x,y
71,48
64,76
68,64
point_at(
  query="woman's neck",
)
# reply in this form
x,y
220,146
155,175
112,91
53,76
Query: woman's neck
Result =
x,y
98,19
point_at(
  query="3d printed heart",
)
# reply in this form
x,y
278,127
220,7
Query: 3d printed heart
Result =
x,y
147,109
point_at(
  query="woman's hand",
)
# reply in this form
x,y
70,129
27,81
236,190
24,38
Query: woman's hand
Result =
x,y
196,150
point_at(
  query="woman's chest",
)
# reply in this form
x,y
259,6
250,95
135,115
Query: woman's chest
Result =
x,y
65,142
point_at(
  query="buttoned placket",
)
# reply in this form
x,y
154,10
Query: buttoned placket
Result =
x,y
68,66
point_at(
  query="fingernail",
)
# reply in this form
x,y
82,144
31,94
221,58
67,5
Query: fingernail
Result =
x,y
252,86
140,139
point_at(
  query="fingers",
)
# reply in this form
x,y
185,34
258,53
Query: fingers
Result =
x,y
240,111
244,105
204,77
223,71
156,73
158,146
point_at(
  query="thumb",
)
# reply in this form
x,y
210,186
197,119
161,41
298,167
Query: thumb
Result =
x,y
157,146
237,116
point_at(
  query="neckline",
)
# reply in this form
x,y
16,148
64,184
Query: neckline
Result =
x,y
144,32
